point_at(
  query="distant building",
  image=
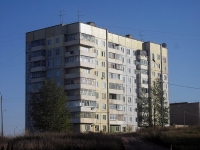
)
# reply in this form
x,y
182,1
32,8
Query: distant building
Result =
x,y
102,73
185,113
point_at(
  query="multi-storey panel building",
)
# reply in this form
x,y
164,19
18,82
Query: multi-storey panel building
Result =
x,y
102,73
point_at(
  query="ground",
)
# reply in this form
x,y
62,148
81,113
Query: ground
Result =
x,y
135,142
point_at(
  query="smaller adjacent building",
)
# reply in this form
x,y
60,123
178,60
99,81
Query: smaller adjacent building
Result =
x,y
185,113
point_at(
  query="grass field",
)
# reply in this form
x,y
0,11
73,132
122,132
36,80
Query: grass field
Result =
x,y
187,138
179,139
63,141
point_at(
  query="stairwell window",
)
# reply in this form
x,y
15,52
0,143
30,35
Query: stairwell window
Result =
x,y
57,40
48,42
104,106
103,64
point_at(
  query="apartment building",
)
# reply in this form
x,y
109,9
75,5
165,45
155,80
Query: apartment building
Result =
x,y
102,73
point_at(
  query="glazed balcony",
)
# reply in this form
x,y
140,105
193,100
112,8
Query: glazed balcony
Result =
x,y
39,68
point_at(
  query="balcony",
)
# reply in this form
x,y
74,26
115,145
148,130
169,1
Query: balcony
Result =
x,y
83,120
115,91
114,101
77,75
78,97
39,68
41,79
116,122
37,48
80,52
82,109
79,86
37,58
73,42
80,64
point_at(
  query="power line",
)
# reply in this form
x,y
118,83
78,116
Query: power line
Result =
x,y
155,31
190,87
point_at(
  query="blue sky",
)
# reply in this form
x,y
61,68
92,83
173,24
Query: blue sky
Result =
x,y
176,23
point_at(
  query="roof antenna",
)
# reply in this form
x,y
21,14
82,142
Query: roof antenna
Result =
x,y
61,17
79,15
141,35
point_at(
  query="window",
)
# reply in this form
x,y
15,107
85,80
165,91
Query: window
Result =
x,y
129,70
130,119
159,75
87,71
103,75
122,59
133,53
49,53
164,59
128,51
57,40
103,54
117,129
152,55
96,52
130,109
129,99
153,74
96,41
97,116
104,85
129,90
158,57
48,42
104,128
96,84
96,62
96,127
103,64
165,68
153,64
103,95
97,95
103,106
129,80
122,49
145,81
97,107
128,61
57,51
103,43
57,73
96,73
87,127
165,77
136,119
104,117
145,90
58,62
124,119
159,66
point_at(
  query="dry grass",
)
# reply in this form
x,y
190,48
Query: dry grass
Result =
x,y
180,139
62,141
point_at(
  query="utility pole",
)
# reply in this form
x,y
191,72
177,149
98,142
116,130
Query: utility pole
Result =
x,y
1,117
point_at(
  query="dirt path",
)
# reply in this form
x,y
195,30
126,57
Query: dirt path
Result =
x,y
133,142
